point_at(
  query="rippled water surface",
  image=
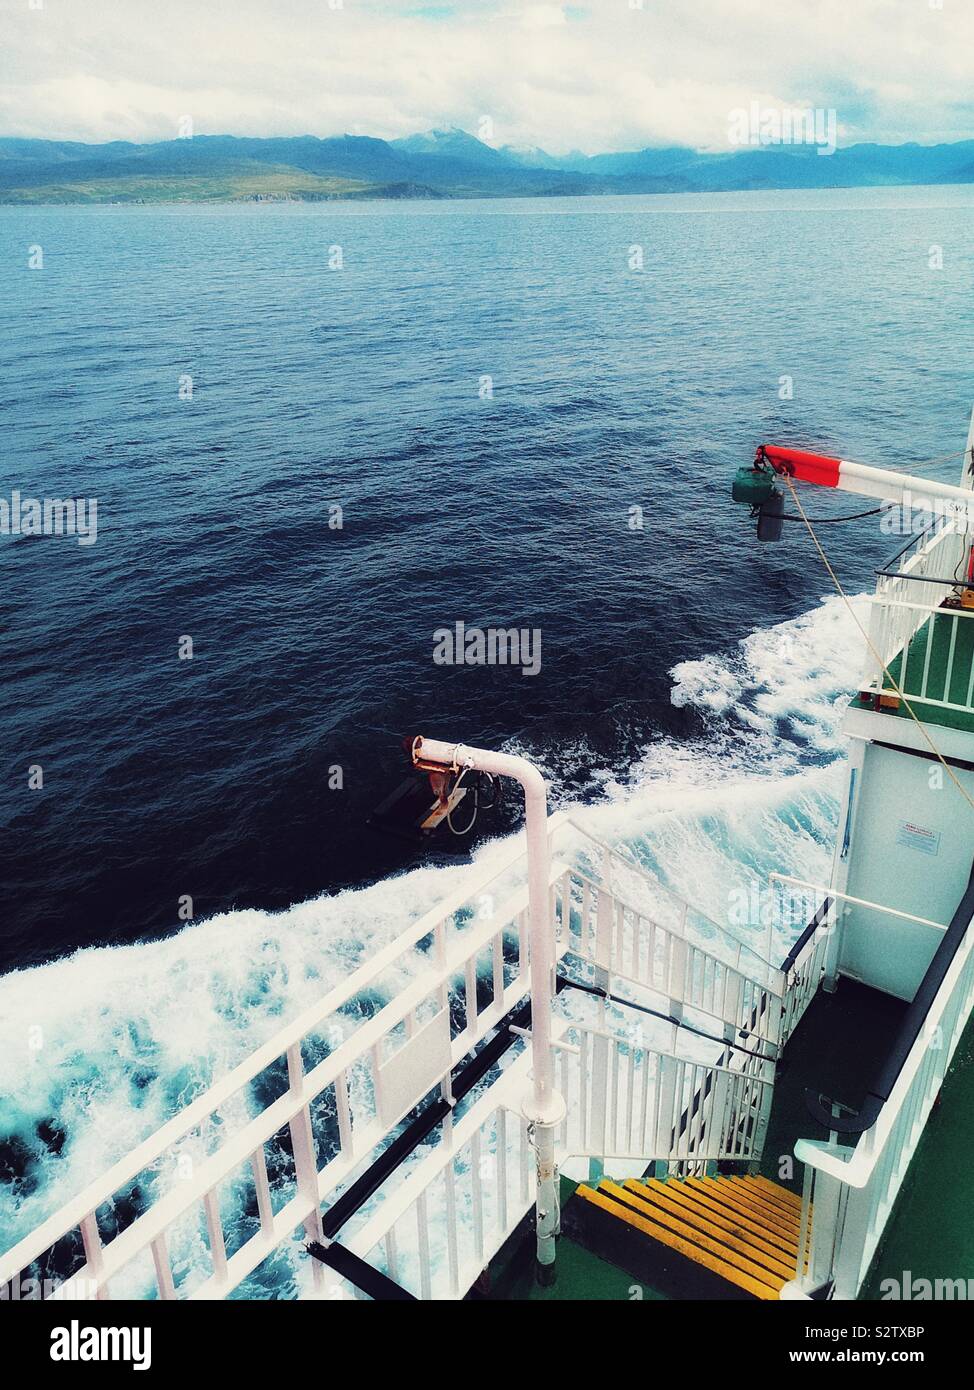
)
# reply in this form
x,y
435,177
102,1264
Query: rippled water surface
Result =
x,y
363,387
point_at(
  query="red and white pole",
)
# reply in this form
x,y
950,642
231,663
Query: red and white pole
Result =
x,y
866,481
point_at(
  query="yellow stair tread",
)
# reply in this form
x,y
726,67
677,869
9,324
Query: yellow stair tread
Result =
x,y
761,1197
742,1234
717,1227
690,1249
748,1202
689,1233
786,1241
757,1181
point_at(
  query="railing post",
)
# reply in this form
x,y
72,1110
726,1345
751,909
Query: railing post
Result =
x,y
603,938
303,1152
763,1115
879,615
599,1078
544,1107
850,1243
94,1254
824,1233
837,1226
805,1231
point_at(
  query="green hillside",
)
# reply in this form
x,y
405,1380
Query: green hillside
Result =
x,y
272,184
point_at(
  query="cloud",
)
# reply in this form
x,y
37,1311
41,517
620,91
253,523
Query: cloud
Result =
x,y
543,16
600,75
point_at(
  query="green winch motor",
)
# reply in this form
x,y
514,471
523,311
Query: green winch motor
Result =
x,y
753,486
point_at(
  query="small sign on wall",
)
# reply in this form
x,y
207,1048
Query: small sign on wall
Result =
x,y
918,837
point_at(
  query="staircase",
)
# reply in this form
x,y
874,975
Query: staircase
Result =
x,y
739,1235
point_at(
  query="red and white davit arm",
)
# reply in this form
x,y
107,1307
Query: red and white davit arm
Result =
x,y
862,479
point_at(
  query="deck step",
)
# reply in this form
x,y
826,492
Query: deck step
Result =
x,y
743,1230
772,1191
747,1205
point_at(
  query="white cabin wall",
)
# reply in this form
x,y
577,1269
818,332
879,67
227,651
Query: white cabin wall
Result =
x,y
911,848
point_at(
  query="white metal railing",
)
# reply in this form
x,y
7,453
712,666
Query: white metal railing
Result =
x,y
346,1076
660,946
336,1111
905,602
630,1100
624,1099
854,1189
453,1211
895,632
805,975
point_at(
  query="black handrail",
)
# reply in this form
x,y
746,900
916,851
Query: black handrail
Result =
x,y
953,581
912,541
789,961
359,1273
910,1029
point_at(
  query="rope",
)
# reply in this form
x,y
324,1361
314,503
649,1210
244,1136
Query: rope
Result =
x,y
869,643
935,463
473,794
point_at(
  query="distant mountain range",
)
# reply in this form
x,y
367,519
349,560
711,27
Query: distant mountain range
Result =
x,y
440,164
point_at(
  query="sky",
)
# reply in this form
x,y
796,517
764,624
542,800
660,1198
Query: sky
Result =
x,y
596,75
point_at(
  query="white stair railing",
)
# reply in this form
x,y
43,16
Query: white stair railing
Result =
x,y
804,974
632,931
450,1214
629,1100
455,1207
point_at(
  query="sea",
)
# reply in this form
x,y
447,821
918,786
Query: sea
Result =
x,y
316,436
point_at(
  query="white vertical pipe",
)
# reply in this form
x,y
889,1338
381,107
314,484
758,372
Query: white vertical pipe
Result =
x,y
544,1108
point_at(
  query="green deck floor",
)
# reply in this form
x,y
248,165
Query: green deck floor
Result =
x,y
934,639
581,1275
836,1050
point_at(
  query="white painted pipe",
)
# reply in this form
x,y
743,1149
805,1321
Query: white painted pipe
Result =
x,y
857,902
883,485
544,1108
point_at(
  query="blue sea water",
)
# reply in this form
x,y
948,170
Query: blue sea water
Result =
x,y
691,682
